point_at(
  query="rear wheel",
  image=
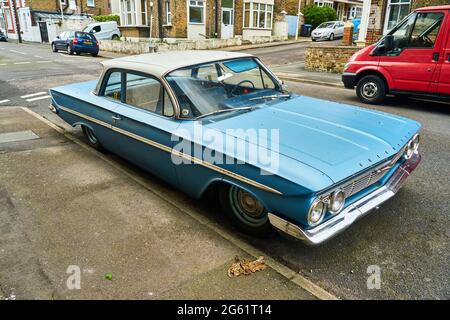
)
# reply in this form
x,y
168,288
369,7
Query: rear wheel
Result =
x,y
91,138
94,54
331,38
371,89
115,37
77,53
69,50
245,211
54,49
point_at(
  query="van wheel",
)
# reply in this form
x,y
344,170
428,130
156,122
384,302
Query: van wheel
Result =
x,y
115,37
371,89
54,49
91,138
245,211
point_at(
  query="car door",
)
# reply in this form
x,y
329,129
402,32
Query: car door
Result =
x,y
413,61
98,32
60,43
145,121
341,29
443,76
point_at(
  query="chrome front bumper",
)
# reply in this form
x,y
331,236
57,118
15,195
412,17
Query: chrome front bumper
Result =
x,y
356,210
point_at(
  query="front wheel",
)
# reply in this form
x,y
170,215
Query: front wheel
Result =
x,y
371,89
331,38
91,138
245,211
54,49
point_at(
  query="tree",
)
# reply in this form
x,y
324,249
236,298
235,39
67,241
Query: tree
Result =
x,y
316,15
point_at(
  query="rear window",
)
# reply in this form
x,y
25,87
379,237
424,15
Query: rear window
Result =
x,y
84,35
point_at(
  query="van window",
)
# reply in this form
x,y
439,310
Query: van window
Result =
x,y
96,29
418,31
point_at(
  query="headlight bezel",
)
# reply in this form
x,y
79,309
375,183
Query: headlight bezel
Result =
x,y
313,205
332,200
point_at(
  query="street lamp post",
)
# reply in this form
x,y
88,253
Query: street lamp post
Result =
x,y
16,18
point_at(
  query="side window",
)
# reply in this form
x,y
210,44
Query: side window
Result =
x,y
113,86
207,72
426,29
96,29
147,93
402,34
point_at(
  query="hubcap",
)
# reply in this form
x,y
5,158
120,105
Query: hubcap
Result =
x,y
370,90
248,209
91,136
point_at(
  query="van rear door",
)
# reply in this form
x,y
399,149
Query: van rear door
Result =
x,y
418,41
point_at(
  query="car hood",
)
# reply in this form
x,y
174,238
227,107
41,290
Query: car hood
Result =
x,y
338,140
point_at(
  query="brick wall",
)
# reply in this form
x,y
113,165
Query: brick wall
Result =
x,y
425,3
82,7
328,59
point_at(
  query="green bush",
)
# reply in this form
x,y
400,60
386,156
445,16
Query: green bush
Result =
x,y
111,17
316,15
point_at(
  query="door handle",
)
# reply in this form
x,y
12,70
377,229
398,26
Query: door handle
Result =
x,y
116,118
436,56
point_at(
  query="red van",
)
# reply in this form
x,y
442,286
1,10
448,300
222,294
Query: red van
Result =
x,y
412,59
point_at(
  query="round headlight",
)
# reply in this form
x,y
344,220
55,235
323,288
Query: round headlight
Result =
x,y
416,142
337,201
316,213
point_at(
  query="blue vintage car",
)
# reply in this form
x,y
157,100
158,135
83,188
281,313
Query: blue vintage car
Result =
x,y
203,119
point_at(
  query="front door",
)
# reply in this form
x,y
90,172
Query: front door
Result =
x,y
444,75
227,23
413,61
43,30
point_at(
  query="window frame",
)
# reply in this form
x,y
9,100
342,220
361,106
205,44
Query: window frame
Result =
x,y
189,5
167,14
254,7
92,3
166,90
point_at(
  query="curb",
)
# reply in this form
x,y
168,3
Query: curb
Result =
x,y
262,45
285,271
288,77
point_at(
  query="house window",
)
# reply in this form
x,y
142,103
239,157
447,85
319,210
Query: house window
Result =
x,y
323,3
354,12
90,3
396,11
196,11
168,21
258,15
144,12
128,12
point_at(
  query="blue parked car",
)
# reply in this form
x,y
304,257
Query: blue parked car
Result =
x,y
76,42
222,120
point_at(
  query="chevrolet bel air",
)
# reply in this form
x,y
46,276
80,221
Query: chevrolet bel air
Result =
x,y
222,120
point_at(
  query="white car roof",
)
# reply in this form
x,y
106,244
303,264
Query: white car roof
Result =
x,y
159,64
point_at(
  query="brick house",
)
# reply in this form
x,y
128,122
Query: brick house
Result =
x,y
385,14
42,20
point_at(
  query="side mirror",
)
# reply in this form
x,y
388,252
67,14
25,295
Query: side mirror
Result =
x,y
284,87
388,42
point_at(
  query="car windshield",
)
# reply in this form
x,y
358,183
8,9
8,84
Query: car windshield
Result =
x,y
84,35
326,25
217,87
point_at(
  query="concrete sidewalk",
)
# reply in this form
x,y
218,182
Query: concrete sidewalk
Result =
x,y
297,72
62,205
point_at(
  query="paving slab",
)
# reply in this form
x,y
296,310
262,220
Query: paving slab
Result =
x,y
63,210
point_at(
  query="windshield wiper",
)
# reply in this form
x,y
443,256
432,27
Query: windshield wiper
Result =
x,y
221,111
274,96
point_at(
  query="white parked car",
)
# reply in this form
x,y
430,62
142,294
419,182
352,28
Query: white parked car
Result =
x,y
104,30
328,31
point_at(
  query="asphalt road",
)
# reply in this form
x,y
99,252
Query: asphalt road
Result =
x,y
408,237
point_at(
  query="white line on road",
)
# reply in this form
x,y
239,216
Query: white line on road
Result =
x,y
17,52
2,64
38,98
4,101
46,61
34,94
25,62
39,57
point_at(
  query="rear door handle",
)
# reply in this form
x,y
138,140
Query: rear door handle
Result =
x,y
116,118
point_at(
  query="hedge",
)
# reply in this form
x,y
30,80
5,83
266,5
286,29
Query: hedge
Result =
x,y
105,18
316,15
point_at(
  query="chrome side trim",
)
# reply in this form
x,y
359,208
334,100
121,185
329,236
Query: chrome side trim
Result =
x,y
176,152
350,214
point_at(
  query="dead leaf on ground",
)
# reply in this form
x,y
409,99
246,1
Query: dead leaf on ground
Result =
x,y
239,267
